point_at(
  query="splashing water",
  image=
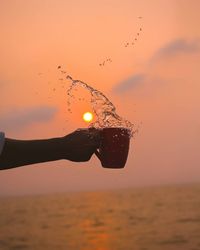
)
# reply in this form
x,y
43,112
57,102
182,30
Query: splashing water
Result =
x,y
102,107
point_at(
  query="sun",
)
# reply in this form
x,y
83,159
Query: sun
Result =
x,y
87,116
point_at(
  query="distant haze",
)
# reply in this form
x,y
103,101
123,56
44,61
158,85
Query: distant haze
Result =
x,y
154,83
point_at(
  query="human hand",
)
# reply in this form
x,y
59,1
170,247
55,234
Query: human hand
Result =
x,y
80,145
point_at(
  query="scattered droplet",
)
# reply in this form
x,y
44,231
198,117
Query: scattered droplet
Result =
x,y
103,108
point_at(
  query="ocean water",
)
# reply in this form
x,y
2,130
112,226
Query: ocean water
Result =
x,y
159,218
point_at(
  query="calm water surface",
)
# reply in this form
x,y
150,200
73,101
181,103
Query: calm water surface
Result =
x,y
166,218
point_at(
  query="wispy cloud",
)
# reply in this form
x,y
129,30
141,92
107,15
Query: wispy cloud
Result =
x,y
21,118
172,49
3,84
129,84
179,46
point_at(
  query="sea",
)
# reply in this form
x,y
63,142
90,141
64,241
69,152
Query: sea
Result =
x,y
148,218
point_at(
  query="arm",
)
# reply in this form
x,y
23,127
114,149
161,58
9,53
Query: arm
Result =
x,y
78,146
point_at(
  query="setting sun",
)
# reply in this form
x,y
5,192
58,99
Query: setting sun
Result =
x,y
87,116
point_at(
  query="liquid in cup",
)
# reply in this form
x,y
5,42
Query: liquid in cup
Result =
x,y
114,147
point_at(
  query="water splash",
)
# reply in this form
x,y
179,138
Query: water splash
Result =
x,y
103,108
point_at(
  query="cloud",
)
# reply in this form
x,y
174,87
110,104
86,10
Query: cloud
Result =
x,y
179,46
21,118
176,47
129,84
3,84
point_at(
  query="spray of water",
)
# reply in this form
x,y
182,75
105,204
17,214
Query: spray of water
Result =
x,y
102,107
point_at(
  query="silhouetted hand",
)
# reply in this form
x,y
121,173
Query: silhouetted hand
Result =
x,y
81,144
77,146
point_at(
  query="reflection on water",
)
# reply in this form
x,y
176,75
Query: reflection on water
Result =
x,y
140,219
95,227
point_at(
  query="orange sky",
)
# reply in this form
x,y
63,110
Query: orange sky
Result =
x,y
156,82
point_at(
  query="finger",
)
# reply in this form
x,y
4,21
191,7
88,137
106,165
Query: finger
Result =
x,y
95,137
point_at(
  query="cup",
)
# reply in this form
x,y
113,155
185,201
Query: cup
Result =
x,y
114,147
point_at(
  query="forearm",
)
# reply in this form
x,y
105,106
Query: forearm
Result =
x,y
18,153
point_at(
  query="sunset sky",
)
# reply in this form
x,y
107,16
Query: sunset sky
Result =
x,y
154,83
